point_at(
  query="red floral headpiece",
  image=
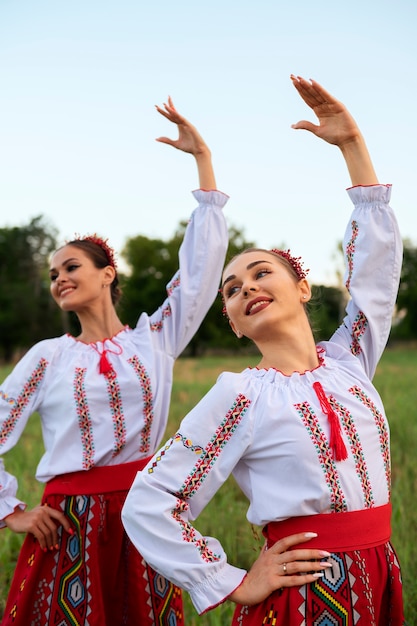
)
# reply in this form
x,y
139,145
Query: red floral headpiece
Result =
x,y
295,262
99,241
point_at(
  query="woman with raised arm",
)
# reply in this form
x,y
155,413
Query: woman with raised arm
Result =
x,y
304,433
103,399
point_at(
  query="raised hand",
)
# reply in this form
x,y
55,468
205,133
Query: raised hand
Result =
x,y
279,567
42,522
336,126
189,139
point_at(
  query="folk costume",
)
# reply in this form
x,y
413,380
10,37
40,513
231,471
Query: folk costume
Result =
x,y
103,409
310,451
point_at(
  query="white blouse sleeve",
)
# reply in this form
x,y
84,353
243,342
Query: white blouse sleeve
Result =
x,y
193,289
177,484
19,397
373,252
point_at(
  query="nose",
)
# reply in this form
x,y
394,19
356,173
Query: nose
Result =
x,y
247,289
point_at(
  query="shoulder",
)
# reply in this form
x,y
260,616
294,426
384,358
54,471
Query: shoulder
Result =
x,y
47,347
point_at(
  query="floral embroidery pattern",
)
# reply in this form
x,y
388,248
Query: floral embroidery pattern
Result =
x,y
189,534
174,283
357,451
84,419
22,400
219,439
310,421
359,327
382,430
6,398
119,425
147,396
206,461
187,443
166,312
350,252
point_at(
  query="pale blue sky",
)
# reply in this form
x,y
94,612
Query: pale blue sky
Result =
x,y
78,84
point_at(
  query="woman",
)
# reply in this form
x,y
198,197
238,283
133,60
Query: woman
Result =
x,y
304,433
103,398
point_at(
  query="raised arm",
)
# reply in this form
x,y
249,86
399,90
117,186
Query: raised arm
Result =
x,y
336,126
189,140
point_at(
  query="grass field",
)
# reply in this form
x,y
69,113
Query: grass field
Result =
x,y
396,381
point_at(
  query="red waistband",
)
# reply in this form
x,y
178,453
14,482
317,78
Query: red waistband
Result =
x,y
337,532
96,480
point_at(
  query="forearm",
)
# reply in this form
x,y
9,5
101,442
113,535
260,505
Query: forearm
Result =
x,y
206,176
358,161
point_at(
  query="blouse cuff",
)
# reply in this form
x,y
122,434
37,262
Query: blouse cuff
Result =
x,y
370,193
215,590
7,507
214,197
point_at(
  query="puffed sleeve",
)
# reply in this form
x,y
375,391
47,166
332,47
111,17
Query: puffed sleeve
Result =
x,y
194,287
177,484
19,398
373,252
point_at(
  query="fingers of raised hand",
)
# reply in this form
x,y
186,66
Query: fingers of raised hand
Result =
x,y
312,93
170,112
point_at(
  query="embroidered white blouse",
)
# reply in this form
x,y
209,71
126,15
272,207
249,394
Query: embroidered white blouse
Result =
x,y
91,419
268,429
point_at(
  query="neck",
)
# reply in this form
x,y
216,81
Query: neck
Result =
x,y
289,354
98,327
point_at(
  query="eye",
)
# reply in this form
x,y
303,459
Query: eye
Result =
x,y
262,272
53,277
72,267
231,290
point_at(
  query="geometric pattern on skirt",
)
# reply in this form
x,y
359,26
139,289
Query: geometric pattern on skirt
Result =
x,y
362,588
95,578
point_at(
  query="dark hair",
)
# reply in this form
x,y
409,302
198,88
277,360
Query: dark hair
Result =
x,y
100,260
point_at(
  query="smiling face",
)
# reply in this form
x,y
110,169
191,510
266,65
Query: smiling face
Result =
x,y
262,295
76,283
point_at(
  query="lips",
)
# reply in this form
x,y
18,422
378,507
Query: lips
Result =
x,y
66,291
257,305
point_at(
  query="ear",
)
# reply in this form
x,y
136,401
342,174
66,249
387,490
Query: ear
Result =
x,y
305,290
237,332
108,275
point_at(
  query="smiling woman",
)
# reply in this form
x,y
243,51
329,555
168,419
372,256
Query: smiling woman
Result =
x,y
103,399
304,433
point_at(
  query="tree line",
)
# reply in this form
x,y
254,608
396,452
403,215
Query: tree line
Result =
x,y
28,313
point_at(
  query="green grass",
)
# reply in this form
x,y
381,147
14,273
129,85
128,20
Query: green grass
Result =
x,y
225,515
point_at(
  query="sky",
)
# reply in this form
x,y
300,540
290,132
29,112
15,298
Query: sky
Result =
x,y
78,85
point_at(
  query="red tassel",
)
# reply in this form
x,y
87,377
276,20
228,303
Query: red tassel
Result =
x,y
104,367
336,442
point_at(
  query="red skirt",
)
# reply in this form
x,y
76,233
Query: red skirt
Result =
x,y
96,577
362,588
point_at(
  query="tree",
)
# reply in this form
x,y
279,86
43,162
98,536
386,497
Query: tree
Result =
x,y
27,313
326,310
407,295
152,263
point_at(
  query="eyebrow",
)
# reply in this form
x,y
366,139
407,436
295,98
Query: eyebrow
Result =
x,y
70,260
248,267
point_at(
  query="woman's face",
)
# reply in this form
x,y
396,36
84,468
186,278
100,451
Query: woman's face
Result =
x,y
75,281
259,291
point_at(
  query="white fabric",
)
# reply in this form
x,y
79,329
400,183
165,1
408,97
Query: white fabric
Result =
x,y
88,420
268,429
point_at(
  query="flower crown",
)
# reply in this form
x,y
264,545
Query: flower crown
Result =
x,y
295,262
102,243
